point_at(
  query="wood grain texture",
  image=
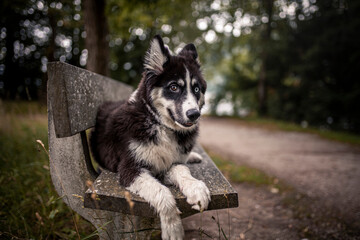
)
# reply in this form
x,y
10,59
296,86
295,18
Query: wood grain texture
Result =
x,y
77,94
111,196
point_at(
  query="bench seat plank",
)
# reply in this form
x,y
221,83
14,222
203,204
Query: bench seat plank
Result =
x,y
111,196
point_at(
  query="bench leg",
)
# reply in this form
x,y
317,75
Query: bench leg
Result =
x,y
121,226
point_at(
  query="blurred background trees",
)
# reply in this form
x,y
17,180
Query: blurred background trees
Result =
x,y
289,60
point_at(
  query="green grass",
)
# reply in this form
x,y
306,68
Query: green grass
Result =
x,y
26,108
29,206
272,124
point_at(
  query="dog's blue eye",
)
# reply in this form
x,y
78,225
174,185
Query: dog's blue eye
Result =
x,y
196,89
174,87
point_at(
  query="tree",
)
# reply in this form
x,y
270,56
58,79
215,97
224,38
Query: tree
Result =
x,y
328,59
133,24
97,32
266,38
31,34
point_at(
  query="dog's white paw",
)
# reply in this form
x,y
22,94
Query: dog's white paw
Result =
x,y
171,227
194,158
197,194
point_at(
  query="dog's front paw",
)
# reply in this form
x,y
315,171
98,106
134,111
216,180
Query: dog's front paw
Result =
x,y
171,227
197,194
194,158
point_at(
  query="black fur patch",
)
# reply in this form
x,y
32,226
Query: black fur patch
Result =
x,y
120,123
186,140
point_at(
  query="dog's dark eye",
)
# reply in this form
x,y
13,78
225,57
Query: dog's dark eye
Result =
x,y
174,87
196,89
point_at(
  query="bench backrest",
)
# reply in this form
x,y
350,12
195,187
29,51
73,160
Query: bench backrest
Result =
x,y
76,95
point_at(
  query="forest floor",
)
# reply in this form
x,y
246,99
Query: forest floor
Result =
x,y
321,202
307,186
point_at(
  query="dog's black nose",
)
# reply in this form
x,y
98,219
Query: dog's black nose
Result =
x,y
193,114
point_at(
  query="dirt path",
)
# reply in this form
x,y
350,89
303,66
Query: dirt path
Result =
x,y
260,215
321,169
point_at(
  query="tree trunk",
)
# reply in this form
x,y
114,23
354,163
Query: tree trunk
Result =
x,y
12,76
96,33
262,86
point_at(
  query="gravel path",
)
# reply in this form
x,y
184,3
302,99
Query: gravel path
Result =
x,y
321,169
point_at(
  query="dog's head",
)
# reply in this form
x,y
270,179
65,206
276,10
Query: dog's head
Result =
x,y
173,85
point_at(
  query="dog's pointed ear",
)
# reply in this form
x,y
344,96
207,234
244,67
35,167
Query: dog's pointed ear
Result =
x,y
190,49
156,56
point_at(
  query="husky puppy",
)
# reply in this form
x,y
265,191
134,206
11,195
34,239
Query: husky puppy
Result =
x,y
150,137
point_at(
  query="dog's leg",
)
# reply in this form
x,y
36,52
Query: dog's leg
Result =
x,y
160,197
196,192
194,157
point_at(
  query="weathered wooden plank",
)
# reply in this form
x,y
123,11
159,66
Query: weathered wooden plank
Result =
x,y
69,174
110,195
78,94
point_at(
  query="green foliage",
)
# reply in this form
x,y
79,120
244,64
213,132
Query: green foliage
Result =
x,y
29,206
310,62
33,33
329,90
134,23
305,52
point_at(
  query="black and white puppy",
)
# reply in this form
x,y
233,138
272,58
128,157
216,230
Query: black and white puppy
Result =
x,y
151,136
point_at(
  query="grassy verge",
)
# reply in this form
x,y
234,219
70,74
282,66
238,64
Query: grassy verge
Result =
x,y
29,206
272,124
245,174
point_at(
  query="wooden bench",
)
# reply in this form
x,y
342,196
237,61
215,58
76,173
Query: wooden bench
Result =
x,y
74,95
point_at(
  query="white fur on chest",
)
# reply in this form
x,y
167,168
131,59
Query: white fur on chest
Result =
x,y
161,155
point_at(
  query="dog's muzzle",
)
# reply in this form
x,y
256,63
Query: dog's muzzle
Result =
x,y
193,114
